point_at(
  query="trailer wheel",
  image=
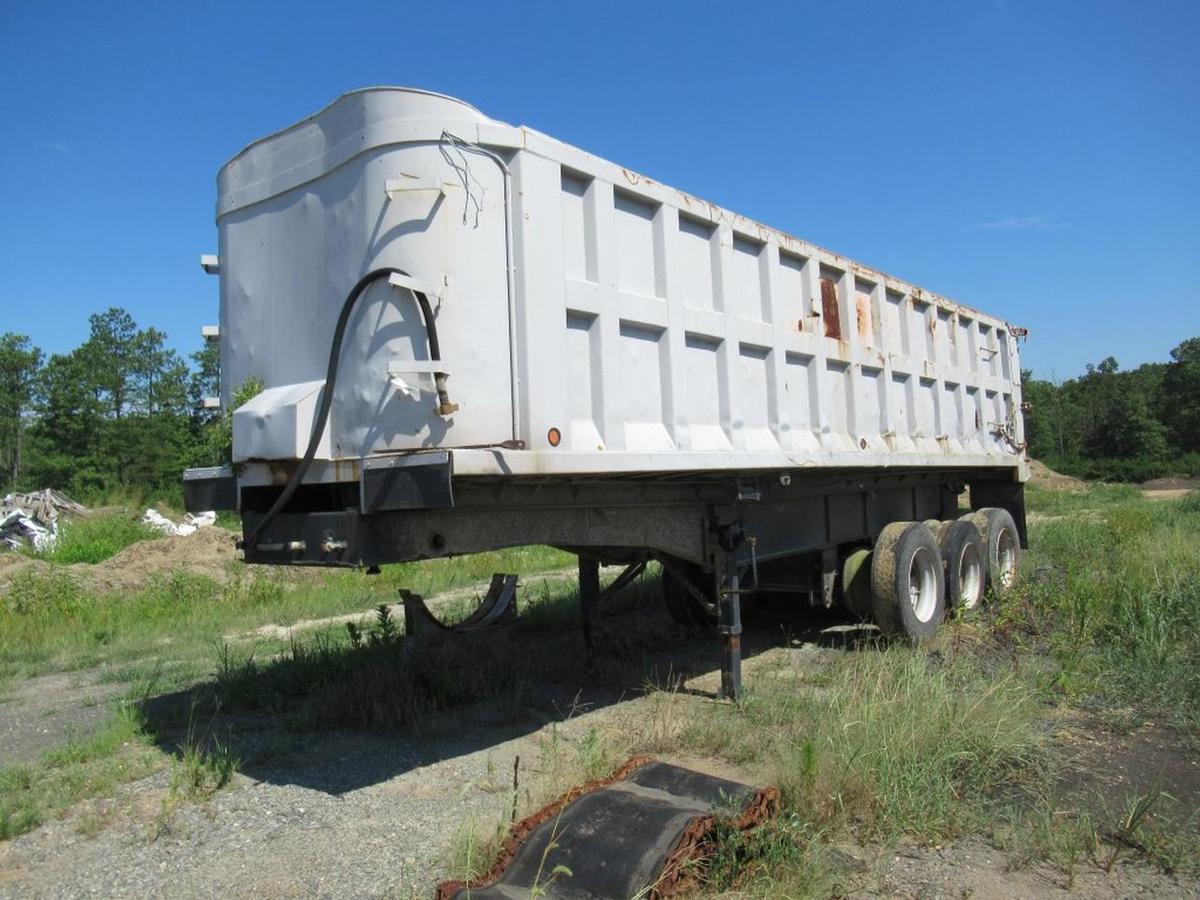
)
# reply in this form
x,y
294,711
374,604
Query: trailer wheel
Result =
x,y
965,559
1003,546
937,528
907,583
683,606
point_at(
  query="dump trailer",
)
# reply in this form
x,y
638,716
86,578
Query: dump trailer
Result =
x,y
470,336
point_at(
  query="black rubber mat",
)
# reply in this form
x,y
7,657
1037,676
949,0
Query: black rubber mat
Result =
x,y
624,837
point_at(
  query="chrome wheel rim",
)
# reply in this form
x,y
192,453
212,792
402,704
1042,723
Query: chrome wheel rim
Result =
x,y
1006,558
970,576
922,585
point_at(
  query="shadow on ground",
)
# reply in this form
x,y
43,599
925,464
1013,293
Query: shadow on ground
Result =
x,y
283,741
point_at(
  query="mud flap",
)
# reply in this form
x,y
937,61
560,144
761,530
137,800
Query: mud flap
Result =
x,y
644,832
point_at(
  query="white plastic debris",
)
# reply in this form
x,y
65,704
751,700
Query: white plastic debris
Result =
x,y
17,529
191,522
33,518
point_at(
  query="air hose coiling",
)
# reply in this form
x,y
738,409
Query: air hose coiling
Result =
x,y
335,351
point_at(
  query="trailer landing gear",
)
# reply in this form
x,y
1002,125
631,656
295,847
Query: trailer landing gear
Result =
x,y
729,627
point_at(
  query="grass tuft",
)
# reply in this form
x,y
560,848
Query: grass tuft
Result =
x,y
95,539
83,768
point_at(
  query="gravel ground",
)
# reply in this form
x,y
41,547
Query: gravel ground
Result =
x,y
976,870
41,713
345,815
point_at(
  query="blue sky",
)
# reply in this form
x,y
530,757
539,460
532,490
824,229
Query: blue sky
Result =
x,y
1037,160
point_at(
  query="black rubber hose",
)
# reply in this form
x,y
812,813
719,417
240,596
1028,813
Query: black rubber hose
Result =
x,y
335,352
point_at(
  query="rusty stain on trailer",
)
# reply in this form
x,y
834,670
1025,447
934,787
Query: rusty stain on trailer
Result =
x,y
281,470
829,309
862,312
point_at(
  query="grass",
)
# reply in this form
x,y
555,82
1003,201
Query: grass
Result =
x,y
562,763
1114,595
893,744
95,539
81,769
122,750
356,677
50,622
877,747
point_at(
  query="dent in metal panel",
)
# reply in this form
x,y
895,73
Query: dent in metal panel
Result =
x,y
903,418
637,250
950,425
943,335
754,400
800,400
838,383
987,350
791,306
874,401
863,314
749,298
642,377
894,334
583,382
693,278
963,333
1002,347
919,331
579,243
926,408
704,398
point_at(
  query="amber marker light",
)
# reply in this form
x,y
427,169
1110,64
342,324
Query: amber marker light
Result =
x,y
554,436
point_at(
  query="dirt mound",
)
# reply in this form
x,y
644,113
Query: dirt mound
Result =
x,y
1043,476
210,551
12,562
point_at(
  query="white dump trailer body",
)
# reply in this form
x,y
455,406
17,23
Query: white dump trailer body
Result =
x,y
472,336
592,320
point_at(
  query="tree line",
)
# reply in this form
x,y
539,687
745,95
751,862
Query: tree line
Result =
x,y
1112,425
123,412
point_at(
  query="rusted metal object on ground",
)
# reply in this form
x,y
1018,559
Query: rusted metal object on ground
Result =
x,y
498,604
645,831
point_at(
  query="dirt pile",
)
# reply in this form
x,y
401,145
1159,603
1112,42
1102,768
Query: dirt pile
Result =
x,y
209,551
1043,476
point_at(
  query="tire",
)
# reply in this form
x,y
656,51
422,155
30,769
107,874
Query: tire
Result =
x,y
965,559
1003,546
937,527
908,589
684,607
856,585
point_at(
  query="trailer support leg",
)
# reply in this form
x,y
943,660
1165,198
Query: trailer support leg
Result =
x,y
589,596
730,629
